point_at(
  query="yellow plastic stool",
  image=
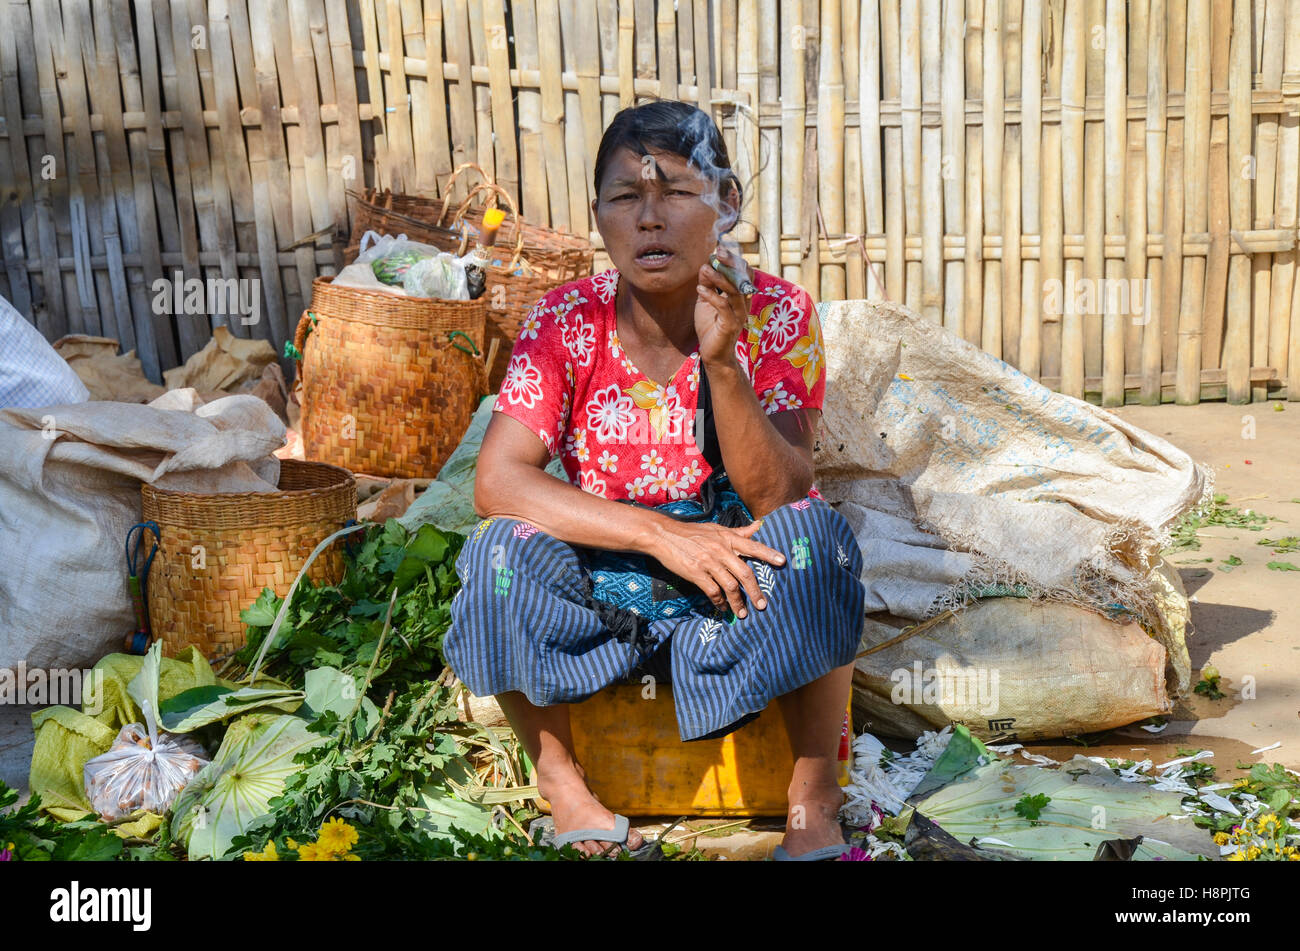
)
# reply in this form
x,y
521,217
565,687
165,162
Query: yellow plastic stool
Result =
x,y
626,739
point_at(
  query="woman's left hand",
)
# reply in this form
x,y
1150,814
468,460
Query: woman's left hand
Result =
x,y
721,313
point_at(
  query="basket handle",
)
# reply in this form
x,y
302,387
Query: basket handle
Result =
x,y
446,189
494,189
474,353
295,349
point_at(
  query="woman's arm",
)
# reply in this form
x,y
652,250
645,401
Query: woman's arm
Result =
x,y
769,459
511,482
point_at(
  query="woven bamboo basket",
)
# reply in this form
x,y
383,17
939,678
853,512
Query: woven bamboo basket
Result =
x,y
217,552
389,383
532,259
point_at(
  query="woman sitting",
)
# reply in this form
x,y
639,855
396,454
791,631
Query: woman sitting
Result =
x,y
660,384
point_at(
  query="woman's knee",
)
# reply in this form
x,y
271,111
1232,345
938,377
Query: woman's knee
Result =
x,y
812,535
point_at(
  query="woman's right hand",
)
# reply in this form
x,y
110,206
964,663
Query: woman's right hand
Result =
x,y
710,556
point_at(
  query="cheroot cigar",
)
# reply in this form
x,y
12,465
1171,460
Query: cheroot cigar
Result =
x,y
739,278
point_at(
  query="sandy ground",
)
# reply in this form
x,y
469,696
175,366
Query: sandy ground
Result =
x,y
1246,621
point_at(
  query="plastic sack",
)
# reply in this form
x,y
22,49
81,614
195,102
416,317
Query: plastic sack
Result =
x,y
144,769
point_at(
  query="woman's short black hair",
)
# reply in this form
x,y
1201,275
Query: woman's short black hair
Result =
x,y
667,125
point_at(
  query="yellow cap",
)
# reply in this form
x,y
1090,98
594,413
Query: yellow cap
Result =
x,y
493,217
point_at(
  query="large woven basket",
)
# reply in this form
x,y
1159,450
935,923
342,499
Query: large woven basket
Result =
x,y
389,383
533,259
217,552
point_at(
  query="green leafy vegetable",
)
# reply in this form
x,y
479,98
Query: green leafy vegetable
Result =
x,y
1031,807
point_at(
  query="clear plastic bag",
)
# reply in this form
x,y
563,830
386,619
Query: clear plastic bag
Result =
x,y
144,769
397,265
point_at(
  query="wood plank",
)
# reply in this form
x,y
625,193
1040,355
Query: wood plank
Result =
x,y
909,103
16,172
973,293
1156,146
1031,145
830,142
1237,349
375,92
1052,266
557,172
666,66
1216,274
535,207
503,108
1196,146
1011,186
1117,204
575,138
438,151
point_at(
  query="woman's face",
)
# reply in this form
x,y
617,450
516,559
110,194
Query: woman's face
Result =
x,y
659,202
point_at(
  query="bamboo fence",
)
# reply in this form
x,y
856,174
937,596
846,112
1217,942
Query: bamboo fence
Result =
x,y
1102,193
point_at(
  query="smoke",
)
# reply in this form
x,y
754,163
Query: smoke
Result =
x,y
696,129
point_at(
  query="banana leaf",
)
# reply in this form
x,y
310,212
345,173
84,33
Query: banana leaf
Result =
x,y
979,808
235,789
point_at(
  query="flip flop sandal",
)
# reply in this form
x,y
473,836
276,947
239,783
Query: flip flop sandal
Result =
x,y
543,833
827,853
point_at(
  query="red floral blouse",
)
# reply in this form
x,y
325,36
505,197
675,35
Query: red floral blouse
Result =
x,y
622,435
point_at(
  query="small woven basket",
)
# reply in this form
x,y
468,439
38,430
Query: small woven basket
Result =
x,y
540,259
389,383
217,552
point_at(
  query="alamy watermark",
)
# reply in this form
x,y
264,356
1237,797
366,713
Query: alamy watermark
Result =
x,y
41,686
1125,297
947,686
228,296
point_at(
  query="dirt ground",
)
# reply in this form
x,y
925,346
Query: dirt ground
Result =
x,y
1246,620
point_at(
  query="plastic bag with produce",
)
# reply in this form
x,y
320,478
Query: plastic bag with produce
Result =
x,y
144,769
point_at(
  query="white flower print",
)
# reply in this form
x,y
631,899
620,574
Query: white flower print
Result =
x,y
663,481
652,460
791,402
547,440
590,482
742,355
571,299
692,471
782,327
575,444
611,341
531,324
568,373
580,340
609,414
605,284
774,399
693,378
607,461
637,487
522,385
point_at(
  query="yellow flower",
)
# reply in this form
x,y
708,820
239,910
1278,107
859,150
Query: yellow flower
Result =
x,y
337,836
268,854
1252,853
1221,838
313,853
292,844
807,353
1237,857
1267,822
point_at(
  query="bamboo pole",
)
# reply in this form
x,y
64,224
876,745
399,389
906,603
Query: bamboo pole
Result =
x,y
993,156
953,144
1282,307
626,47
854,218
464,128
974,170
1196,145
746,155
575,144
611,38
1217,183
909,107
771,199
810,226
932,263
1011,209
1031,145
552,99
1094,194
793,113
1291,368
1156,87
666,34
830,141
1269,58
1236,351
487,155
532,147
869,107
502,94
1175,215
1135,214
1051,255
1073,84
1115,131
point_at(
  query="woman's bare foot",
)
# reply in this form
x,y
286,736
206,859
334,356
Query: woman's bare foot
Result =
x,y
812,822
574,807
